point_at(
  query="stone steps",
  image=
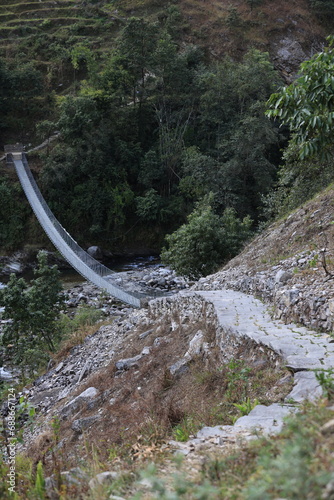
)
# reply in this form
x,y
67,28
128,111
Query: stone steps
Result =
x,y
245,317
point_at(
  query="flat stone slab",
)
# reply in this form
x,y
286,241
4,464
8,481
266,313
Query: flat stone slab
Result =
x,y
217,431
306,387
303,351
245,316
298,363
268,419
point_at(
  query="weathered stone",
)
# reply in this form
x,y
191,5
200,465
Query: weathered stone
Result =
x,y
217,431
146,334
79,401
298,363
289,297
50,486
282,276
95,252
74,476
328,427
331,306
126,364
146,351
306,387
180,367
81,424
59,367
267,418
103,478
5,374
195,345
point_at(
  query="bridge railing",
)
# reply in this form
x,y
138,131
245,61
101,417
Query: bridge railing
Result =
x,y
84,263
96,266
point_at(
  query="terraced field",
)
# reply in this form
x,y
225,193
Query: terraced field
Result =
x,y
44,32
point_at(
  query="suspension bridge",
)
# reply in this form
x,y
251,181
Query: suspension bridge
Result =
x,y
79,259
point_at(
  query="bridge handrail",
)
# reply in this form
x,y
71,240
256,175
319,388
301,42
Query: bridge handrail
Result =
x,y
96,266
84,263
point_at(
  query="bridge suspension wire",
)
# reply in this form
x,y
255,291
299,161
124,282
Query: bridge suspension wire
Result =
x,y
79,259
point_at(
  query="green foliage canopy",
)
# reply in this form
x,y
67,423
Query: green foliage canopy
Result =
x,y
32,310
206,241
13,215
307,105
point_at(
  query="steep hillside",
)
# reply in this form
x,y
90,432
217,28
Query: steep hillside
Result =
x,y
43,31
185,125
290,265
114,403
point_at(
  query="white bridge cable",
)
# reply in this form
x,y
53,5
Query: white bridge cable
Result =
x,y
80,260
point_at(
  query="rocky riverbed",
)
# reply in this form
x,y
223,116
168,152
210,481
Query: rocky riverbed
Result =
x,y
109,384
150,281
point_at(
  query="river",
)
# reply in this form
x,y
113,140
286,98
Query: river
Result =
x,y
70,277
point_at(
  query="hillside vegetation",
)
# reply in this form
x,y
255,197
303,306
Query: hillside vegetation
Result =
x,y
142,412
40,29
162,128
158,104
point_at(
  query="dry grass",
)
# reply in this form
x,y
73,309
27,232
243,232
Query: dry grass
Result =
x,y
205,23
145,406
76,338
301,231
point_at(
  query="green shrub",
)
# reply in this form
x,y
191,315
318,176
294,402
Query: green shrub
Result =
x,y
206,241
32,310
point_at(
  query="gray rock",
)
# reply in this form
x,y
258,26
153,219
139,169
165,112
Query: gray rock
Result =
x,y
290,54
282,276
83,398
5,374
95,252
59,367
146,351
81,424
126,364
146,334
50,488
217,431
289,297
298,363
74,476
180,367
103,478
306,387
195,345
269,419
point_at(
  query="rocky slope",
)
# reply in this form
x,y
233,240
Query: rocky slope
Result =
x,y
145,370
290,265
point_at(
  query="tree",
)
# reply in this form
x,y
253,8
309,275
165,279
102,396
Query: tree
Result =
x,y
80,54
32,310
233,131
21,89
323,8
13,215
307,106
206,241
136,46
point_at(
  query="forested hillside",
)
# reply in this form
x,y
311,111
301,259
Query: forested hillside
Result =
x,y
158,105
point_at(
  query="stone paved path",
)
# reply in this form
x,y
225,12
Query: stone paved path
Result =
x,y
301,349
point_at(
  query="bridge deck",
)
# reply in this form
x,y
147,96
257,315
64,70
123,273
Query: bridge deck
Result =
x,y
80,260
